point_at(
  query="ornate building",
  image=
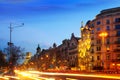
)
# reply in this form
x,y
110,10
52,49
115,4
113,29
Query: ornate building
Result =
x,y
68,53
105,39
84,49
73,52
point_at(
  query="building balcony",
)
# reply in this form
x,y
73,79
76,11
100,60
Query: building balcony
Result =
x,y
72,48
92,60
98,52
92,44
115,60
117,42
118,35
92,38
92,52
116,22
116,50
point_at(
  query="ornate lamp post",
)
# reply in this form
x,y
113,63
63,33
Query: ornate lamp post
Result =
x,y
103,35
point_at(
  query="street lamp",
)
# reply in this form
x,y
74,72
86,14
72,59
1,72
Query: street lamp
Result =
x,y
103,35
11,28
10,44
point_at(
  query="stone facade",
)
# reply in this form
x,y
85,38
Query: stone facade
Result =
x,y
105,50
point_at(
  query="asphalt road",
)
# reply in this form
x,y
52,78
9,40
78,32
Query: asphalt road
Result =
x,y
36,75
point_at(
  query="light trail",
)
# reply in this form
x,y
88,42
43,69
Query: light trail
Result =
x,y
71,79
7,77
12,77
35,75
1,77
79,75
32,75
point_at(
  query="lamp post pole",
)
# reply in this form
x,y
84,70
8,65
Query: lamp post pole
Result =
x,y
103,35
10,44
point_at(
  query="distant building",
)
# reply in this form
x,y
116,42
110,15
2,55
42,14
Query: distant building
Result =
x,y
27,57
57,57
67,54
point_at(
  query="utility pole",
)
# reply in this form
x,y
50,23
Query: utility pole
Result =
x,y
11,28
10,44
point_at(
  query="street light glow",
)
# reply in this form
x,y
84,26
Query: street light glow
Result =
x,y
103,34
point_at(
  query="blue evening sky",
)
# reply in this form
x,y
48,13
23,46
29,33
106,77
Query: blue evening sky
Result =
x,y
46,21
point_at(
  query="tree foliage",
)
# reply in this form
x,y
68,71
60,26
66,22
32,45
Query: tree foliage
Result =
x,y
2,59
14,53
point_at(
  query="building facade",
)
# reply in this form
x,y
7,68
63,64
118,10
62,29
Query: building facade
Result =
x,y
62,57
84,49
67,53
105,40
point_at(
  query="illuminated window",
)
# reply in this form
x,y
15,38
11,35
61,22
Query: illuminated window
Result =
x,y
118,56
108,48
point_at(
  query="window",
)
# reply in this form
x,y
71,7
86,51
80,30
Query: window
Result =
x,y
118,56
108,28
98,29
92,58
108,48
108,41
107,21
92,32
118,40
98,23
117,26
92,25
118,33
92,51
98,57
98,48
98,41
117,20
92,38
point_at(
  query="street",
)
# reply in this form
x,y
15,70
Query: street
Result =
x,y
36,75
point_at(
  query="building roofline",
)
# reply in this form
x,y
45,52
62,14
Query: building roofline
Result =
x,y
109,11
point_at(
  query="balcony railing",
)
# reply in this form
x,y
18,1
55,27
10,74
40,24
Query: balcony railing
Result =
x,y
115,60
92,44
92,38
116,22
116,50
92,51
117,42
118,35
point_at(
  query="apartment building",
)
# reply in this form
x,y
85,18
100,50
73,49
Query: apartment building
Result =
x,y
105,39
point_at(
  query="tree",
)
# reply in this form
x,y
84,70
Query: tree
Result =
x,y
14,53
2,59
